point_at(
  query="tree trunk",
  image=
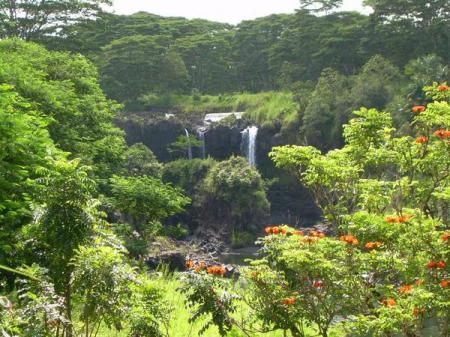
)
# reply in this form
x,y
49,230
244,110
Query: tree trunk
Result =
x,y
68,304
296,332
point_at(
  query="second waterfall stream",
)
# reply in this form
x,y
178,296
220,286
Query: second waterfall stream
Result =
x,y
249,136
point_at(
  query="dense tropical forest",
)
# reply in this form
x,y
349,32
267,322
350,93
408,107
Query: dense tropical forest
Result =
x,y
286,176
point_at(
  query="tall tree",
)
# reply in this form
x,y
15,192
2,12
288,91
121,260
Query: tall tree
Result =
x,y
252,44
327,111
415,25
33,19
139,64
65,88
320,5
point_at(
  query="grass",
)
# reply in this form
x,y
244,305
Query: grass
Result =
x,y
260,107
179,325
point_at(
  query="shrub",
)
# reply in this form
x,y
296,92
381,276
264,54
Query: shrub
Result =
x,y
242,239
139,160
146,199
187,174
233,193
177,232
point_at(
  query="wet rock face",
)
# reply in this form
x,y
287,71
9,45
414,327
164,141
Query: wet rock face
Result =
x,y
223,142
291,202
156,133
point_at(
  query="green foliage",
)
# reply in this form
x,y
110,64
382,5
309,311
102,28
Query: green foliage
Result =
x,y
65,221
64,88
33,20
423,72
321,5
242,239
233,193
209,296
41,308
26,149
183,145
376,85
139,160
146,199
178,232
9,321
148,312
150,68
187,174
327,110
101,283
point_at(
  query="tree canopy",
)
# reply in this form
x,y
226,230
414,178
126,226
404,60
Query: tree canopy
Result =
x,y
36,19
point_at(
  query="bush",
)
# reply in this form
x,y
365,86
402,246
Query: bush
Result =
x,y
233,194
139,160
146,199
187,174
177,232
242,239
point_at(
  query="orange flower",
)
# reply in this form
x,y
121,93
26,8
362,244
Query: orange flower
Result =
x,y
417,311
406,289
438,265
273,230
389,302
190,264
216,270
350,239
392,219
289,301
399,219
284,231
405,218
441,265
421,140
317,234
445,236
418,108
299,233
443,87
201,266
255,274
442,133
310,239
431,265
373,245
445,283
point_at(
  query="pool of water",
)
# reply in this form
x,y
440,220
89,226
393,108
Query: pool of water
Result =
x,y
239,256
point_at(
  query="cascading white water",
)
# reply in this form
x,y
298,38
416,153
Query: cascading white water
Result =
x,y
189,144
249,136
201,136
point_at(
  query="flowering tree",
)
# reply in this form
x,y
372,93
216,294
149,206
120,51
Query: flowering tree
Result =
x,y
387,197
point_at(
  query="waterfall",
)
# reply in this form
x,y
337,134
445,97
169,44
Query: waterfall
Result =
x,y
189,144
201,136
249,144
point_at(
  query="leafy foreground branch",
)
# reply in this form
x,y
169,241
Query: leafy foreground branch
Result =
x,y
386,195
